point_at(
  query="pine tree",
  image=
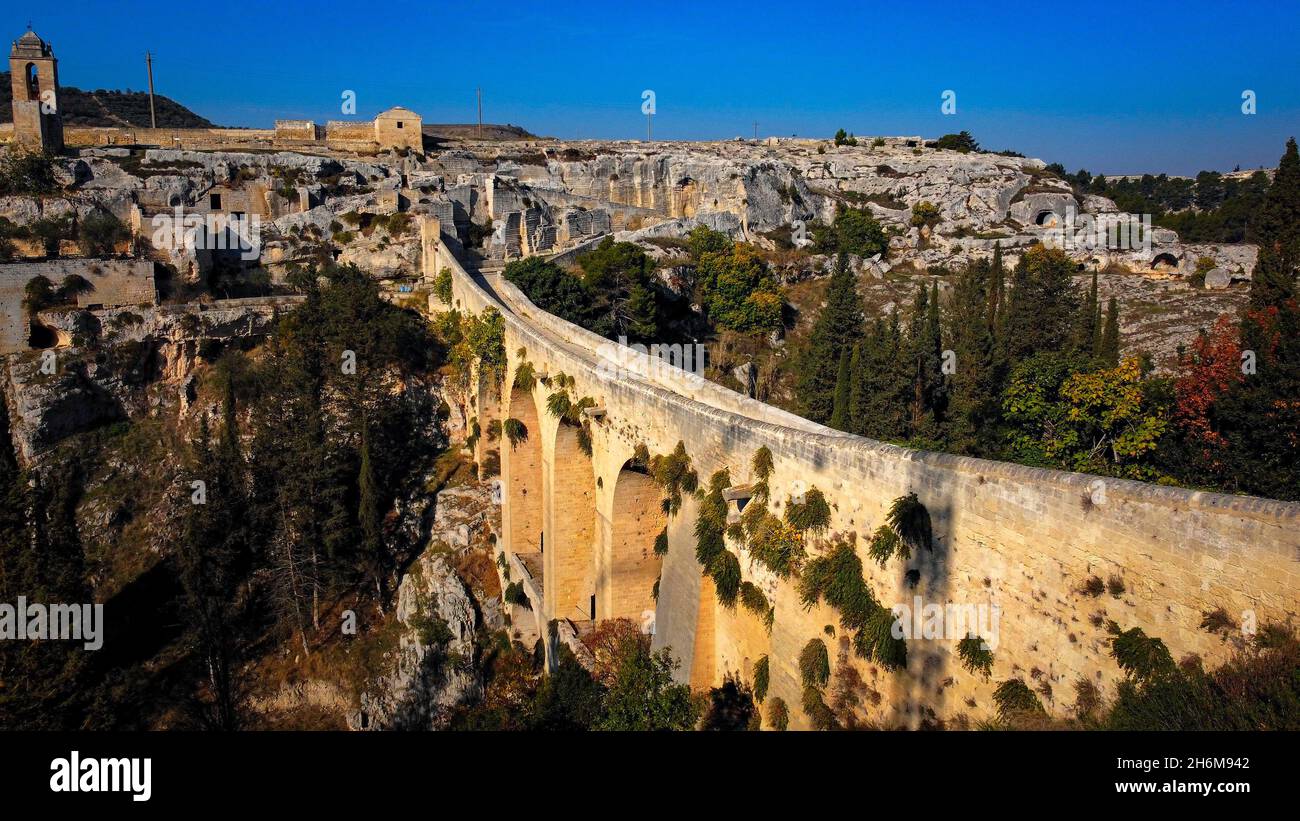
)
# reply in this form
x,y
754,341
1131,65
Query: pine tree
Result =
x,y
837,329
1109,351
840,413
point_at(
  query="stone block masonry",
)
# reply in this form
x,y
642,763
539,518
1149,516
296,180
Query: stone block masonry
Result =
x,y
112,283
1024,539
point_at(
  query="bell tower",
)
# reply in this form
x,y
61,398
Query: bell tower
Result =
x,y
34,75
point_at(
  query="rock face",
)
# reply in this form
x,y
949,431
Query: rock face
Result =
x,y
433,669
139,366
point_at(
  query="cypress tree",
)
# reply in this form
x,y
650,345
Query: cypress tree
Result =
x,y
1087,333
837,329
938,387
884,382
926,352
840,413
973,391
857,394
1110,336
1043,304
996,290
370,515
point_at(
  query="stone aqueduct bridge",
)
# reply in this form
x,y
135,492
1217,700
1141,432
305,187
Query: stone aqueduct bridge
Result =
x,y
1022,538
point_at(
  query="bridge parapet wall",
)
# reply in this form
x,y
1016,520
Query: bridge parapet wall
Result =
x,y
1024,539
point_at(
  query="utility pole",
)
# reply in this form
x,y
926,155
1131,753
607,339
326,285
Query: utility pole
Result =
x,y
480,112
148,61
755,130
648,118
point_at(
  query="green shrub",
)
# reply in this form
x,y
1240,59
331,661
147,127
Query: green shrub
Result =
x,y
725,572
99,233
814,664
774,543
514,594
975,655
812,514
814,706
910,521
442,285
1141,657
661,543
876,641
837,577
673,473
26,173
761,678
1016,701
778,715
755,602
515,431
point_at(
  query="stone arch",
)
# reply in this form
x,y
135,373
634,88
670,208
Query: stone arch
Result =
x,y
570,558
522,477
1046,218
32,78
636,520
1164,262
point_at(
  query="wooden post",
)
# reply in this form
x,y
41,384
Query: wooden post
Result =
x,y
148,61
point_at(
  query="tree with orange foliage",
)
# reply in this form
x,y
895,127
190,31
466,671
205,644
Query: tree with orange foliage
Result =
x,y
1209,372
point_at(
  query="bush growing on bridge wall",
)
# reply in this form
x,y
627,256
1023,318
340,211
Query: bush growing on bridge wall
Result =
x,y
975,655
778,715
755,602
907,527
814,664
674,474
811,514
515,431
1016,702
761,679
525,376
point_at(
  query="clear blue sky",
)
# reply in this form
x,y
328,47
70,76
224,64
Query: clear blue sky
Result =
x,y
1113,87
